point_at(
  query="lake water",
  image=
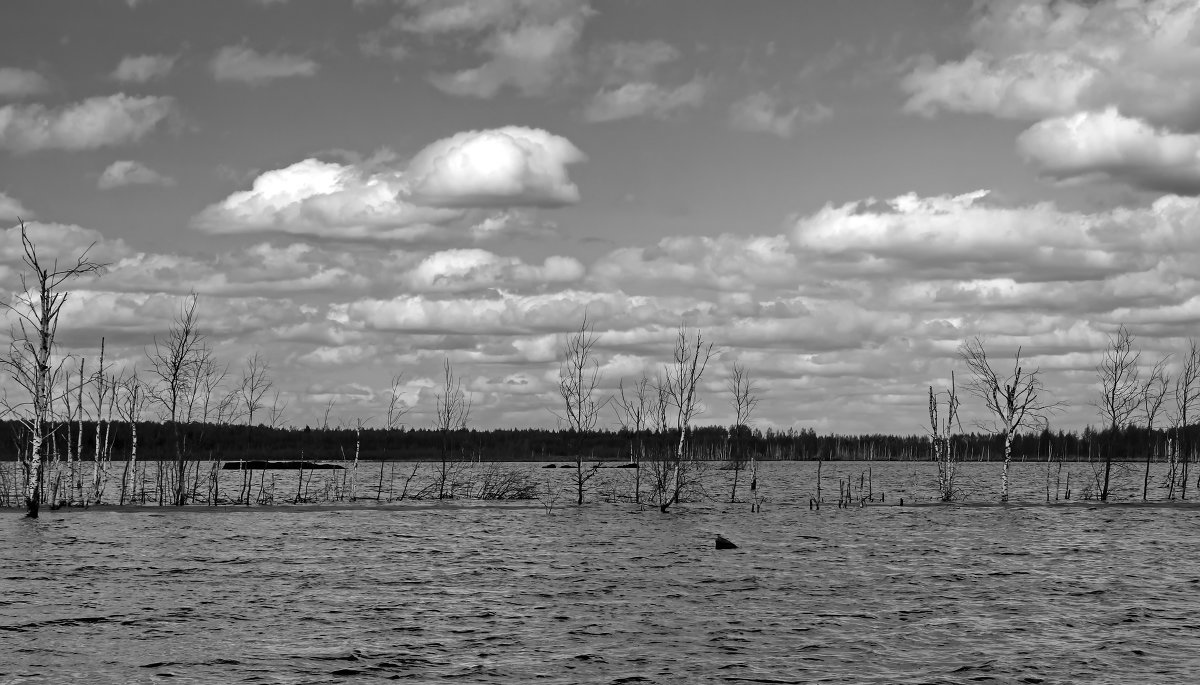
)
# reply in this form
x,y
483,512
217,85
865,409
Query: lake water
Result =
x,y
610,593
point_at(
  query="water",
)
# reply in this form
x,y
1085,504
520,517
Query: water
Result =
x,y
504,593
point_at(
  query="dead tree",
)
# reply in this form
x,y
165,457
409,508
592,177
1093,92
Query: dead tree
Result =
x,y
1014,401
941,431
130,407
1152,394
578,379
256,382
29,359
1187,393
453,411
634,412
1120,390
682,386
743,398
175,363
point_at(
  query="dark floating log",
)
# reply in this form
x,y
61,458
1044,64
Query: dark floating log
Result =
x,y
630,465
259,464
723,543
550,466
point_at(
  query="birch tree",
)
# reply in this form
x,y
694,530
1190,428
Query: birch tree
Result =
x,y
175,363
743,398
256,382
453,411
941,426
578,379
1014,401
29,359
635,412
1187,393
1152,395
130,408
681,391
1120,389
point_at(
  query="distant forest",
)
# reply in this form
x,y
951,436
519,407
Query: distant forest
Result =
x,y
226,442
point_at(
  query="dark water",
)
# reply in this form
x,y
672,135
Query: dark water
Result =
x,y
477,592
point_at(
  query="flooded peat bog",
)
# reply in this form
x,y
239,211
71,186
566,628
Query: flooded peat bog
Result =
x,y
483,592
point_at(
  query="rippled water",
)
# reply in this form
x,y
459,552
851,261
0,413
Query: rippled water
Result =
x,y
504,593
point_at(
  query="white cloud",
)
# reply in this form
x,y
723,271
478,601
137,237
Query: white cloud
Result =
x,y
529,44
93,123
19,83
1036,58
463,270
128,172
508,167
241,64
11,208
511,166
761,112
1109,145
641,98
623,62
143,68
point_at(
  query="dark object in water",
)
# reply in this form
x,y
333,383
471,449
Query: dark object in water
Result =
x,y
258,464
723,543
630,465
550,466
567,466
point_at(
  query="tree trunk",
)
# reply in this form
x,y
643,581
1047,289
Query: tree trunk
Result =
x,y
1008,441
33,481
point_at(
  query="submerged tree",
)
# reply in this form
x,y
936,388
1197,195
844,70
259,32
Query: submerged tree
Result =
x,y
1120,391
1187,393
578,379
1014,400
453,410
743,398
941,428
635,412
1152,394
680,391
29,361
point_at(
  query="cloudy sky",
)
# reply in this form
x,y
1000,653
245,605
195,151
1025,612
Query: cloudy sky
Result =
x,y
837,192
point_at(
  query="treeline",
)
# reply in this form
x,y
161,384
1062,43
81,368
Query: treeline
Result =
x,y
227,442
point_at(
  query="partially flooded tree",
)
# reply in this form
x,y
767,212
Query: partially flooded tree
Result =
x,y
578,379
1014,400
1120,391
681,391
1153,394
130,406
1187,393
942,420
743,398
176,363
453,411
29,359
635,412
256,382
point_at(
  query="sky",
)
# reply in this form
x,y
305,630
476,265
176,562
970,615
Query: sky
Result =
x,y
836,193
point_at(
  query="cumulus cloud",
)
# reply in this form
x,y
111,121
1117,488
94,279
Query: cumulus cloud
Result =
x,y
103,121
19,83
128,172
11,208
1109,145
464,270
143,68
529,45
1035,59
508,167
732,263
642,98
242,64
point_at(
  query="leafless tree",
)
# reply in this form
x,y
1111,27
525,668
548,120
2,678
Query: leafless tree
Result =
x,y
275,411
453,412
1014,401
635,412
1187,394
397,407
29,359
130,406
175,363
680,390
256,382
743,398
941,426
1120,392
328,410
1153,393
578,379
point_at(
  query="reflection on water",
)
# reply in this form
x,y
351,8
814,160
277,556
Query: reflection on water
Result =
x,y
504,593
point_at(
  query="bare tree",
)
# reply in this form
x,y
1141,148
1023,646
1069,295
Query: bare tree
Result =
x,y
578,379
275,411
635,412
175,363
1014,401
130,407
1120,392
941,435
1153,393
453,411
254,386
1187,393
397,407
743,398
29,360
681,388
